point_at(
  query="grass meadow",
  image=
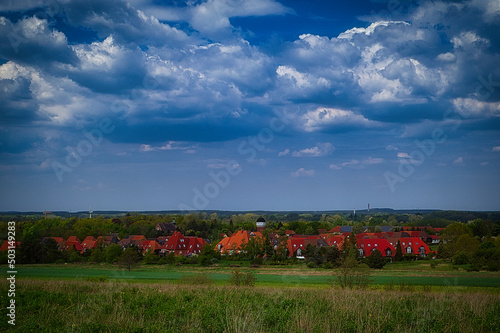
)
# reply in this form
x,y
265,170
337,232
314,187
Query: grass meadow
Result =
x,y
122,306
408,297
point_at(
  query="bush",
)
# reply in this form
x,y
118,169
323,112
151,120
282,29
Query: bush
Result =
x,y
239,278
327,265
461,258
353,275
492,266
170,258
311,264
181,260
150,258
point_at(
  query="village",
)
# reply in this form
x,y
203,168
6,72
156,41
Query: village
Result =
x,y
414,241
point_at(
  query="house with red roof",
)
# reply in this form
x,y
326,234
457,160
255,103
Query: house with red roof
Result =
x,y
367,245
337,240
195,245
414,245
296,247
183,245
5,246
433,239
132,240
106,240
69,244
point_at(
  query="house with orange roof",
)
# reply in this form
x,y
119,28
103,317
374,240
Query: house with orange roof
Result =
x,y
88,243
150,246
236,242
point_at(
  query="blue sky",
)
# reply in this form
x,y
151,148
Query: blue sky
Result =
x,y
248,105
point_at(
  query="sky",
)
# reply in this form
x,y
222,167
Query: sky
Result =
x,y
249,105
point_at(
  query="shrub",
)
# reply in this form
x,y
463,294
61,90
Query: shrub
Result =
x,y
150,258
327,265
353,275
239,278
311,264
181,260
170,258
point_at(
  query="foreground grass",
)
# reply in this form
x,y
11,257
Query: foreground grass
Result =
x,y
119,306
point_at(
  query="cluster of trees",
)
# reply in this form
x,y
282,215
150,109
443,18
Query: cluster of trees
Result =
x,y
471,244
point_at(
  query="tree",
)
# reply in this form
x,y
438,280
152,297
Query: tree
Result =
x,y
455,230
351,246
208,254
441,250
399,252
465,243
30,251
375,259
333,256
357,228
129,258
50,251
113,253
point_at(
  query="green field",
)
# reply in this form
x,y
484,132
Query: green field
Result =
x,y
265,276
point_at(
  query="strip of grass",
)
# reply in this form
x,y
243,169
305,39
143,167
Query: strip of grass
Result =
x,y
83,306
307,277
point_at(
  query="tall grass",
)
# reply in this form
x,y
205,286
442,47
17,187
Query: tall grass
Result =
x,y
110,306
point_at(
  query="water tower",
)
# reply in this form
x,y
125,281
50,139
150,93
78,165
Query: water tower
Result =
x,y
261,224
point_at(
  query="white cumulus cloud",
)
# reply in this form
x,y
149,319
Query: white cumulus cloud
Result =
x,y
321,149
303,173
